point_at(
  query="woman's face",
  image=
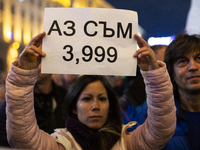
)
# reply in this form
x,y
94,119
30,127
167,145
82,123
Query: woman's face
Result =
x,y
92,106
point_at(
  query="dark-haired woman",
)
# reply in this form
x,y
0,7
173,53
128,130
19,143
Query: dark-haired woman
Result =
x,y
94,120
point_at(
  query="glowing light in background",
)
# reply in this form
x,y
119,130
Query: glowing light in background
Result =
x,y
78,3
27,31
65,3
7,23
18,35
17,28
15,45
160,40
12,54
100,4
26,36
8,35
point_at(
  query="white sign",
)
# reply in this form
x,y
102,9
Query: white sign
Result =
x,y
94,41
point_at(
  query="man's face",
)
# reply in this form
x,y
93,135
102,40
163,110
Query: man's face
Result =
x,y
187,72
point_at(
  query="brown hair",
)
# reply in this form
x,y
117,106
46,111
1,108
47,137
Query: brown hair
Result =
x,y
113,124
182,44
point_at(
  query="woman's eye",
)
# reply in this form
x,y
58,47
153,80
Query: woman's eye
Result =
x,y
102,99
86,99
198,58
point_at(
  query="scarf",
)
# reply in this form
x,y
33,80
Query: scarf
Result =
x,y
87,138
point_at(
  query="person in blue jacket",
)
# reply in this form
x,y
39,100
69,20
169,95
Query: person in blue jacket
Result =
x,y
133,99
182,58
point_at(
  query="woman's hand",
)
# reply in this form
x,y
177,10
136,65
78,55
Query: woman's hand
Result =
x,y
30,58
145,55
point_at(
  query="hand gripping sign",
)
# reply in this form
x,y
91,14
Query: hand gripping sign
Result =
x,y
94,41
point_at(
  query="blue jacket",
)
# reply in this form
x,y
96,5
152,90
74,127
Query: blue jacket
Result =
x,y
180,140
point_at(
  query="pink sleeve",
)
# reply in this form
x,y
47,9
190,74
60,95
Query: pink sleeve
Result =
x,y
21,125
160,124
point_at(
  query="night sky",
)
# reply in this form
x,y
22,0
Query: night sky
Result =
x,y
157,17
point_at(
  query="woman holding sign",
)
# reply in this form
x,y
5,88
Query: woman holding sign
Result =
x,y
94,120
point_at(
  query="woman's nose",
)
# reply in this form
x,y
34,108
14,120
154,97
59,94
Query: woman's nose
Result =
x,y
95,104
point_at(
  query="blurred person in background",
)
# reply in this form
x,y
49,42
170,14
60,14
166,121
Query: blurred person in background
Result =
x,y
133,99
65,80
115,82
2,86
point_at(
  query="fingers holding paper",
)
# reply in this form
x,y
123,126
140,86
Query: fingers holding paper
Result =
x,y
30,58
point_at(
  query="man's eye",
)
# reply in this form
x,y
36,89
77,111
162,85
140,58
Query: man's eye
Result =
x,y
182,62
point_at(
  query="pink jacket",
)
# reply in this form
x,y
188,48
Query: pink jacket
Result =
x,y
23,132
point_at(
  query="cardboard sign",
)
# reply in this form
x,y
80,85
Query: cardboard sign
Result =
x,y
94,41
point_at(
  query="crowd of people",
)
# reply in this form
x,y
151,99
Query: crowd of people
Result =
x,y
157,109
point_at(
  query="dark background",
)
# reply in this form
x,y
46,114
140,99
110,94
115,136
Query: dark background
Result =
x,y
157,17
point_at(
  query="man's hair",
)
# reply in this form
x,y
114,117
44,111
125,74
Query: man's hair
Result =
x,y
182,45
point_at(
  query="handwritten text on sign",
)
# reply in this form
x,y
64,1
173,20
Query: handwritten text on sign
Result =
x,y
89,41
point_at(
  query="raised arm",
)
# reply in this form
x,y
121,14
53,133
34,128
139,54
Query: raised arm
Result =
x,y
161,121
21,125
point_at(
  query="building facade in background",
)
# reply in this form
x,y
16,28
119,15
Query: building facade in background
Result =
x,y
20,20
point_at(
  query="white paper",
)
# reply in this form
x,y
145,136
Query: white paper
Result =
x,y
101,21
